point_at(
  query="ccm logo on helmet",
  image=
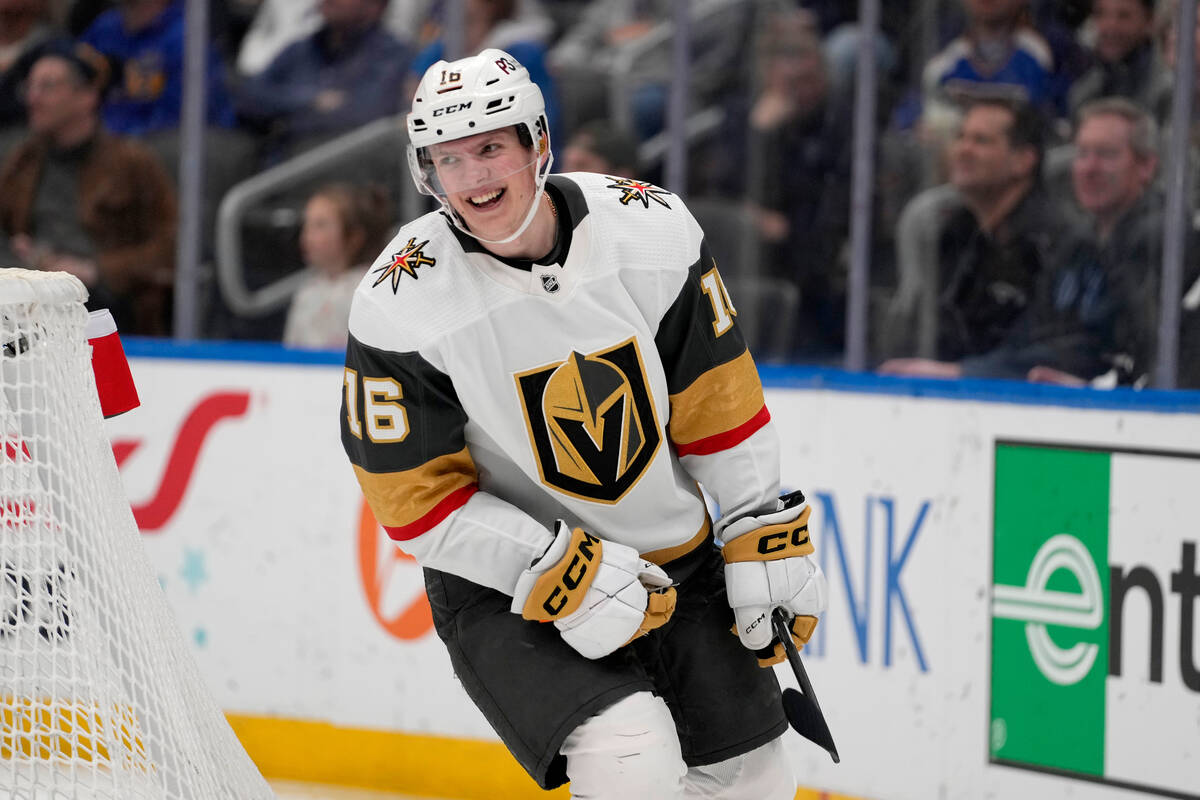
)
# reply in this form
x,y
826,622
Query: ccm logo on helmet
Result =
x,y
451,109
774,542
572,576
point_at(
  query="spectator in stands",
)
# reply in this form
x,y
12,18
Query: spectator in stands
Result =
x,y
493,23
278,23
999,55
519,28
24,24
79,199
789,155
1116,157
598,146
997,252
345,227
582,61
418,22
227,19
1062,23
146,38
583,58
347,73
837,24
1127,62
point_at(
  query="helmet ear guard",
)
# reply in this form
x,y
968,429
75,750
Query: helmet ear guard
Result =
x,y
470,96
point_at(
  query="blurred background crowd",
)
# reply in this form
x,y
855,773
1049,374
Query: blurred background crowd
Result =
x,y
1018,196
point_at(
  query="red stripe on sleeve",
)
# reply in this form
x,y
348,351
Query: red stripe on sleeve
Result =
x,y
723,441
451,502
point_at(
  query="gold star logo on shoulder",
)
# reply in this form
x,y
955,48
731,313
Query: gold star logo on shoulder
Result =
x,y
407,260
638,190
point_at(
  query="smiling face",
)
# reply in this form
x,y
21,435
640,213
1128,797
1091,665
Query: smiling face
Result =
x,y
1121,26
489,179
982,157
1107,174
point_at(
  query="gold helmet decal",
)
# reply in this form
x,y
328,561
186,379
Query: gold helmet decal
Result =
x,y
591,422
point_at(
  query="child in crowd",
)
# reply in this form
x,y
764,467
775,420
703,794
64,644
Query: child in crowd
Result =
x,y
344,227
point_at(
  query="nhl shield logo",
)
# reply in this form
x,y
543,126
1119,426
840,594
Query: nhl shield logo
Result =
x,y
550,283
591,422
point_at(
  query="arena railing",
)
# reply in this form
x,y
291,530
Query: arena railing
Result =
x,y
385,135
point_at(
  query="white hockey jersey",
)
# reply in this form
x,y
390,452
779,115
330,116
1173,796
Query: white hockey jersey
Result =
x,y
483,401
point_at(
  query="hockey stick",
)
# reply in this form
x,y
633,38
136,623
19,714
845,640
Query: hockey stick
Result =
x,y
802,710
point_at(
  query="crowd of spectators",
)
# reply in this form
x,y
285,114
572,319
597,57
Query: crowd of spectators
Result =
x,y
1043,246
1018,209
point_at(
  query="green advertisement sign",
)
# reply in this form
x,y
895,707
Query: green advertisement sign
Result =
x,y
1095,668
1049,628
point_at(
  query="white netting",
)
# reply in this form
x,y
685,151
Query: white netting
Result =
x,y
99,698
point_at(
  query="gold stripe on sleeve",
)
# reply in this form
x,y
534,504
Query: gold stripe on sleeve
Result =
x,y
718,401
401,498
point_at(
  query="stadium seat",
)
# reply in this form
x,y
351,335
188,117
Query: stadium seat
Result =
x,y
909,326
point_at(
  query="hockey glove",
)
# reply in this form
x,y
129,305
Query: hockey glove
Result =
x,y
768,564
600,595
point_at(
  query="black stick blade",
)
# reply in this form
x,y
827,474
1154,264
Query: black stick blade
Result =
x,y
802,710
807,720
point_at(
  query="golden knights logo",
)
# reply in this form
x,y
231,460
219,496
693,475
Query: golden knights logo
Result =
x,y
410,257
638,190
591,421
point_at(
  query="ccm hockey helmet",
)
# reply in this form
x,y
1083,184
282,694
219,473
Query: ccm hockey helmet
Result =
x,y
474,95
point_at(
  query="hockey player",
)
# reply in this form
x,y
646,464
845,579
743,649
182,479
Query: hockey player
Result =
x,y
537,378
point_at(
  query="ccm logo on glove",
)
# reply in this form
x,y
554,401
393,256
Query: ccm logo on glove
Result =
x,y
600,594
760,619
781,540
560,590
768,565
778,542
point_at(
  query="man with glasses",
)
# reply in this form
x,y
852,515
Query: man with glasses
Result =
x,y
79,199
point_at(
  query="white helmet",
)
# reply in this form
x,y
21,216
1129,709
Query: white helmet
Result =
x,y
473,95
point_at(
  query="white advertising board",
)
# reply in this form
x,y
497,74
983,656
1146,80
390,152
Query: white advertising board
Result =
x,y
252,515
930,683
937,683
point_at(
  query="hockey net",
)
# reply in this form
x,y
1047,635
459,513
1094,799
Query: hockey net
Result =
x,y
99,698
